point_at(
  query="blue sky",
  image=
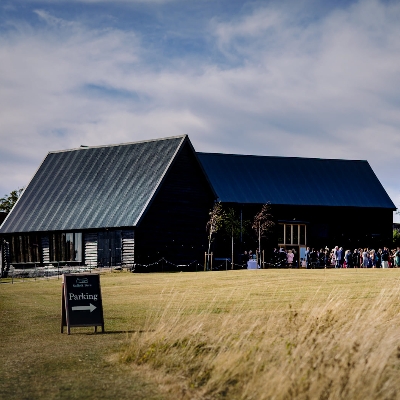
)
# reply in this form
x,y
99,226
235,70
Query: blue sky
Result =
x,y
289,78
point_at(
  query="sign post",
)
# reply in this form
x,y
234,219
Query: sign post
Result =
x,y
81,302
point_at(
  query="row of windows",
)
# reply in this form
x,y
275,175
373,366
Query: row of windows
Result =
x,y
62,247
292,234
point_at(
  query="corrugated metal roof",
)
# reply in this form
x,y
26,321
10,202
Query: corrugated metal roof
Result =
x,y
93,187
294,181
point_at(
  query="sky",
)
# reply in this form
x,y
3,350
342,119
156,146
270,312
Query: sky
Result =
x,y
301,78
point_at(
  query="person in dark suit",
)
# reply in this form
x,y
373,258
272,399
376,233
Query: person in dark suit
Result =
x,y
378,256
355,258
385,257
349,259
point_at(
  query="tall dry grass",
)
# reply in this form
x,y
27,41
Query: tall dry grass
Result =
x,y
335,346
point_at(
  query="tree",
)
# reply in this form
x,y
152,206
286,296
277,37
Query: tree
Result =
x,y
213,225
396,237
396,233
8,201
263,223
231,226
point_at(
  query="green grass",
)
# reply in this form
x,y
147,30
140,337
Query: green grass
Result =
x,y
236,334
38,362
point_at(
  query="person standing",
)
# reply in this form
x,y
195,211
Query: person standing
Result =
x,y
365,258
290,257
314,258
397,258
322,258
385,257
333,256
372,259
295,258
339,257
356,258
307,257
348,259
378,258
326,257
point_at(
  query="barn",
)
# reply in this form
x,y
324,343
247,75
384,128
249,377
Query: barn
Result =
x,y
112,205
138,203
315,202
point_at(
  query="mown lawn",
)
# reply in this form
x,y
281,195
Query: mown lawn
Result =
x,y
38,362
235,334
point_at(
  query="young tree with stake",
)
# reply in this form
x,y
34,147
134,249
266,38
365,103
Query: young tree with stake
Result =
x,y
213,224
232,226
263,224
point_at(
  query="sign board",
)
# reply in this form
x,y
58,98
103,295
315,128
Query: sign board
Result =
x,y
81,301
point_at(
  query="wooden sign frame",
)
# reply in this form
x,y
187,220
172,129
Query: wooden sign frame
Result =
x,y
81,303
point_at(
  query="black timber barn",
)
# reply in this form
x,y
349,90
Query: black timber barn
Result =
x,y
137,203
113,205
314,202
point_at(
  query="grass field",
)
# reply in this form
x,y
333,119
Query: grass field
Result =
x,y
265,334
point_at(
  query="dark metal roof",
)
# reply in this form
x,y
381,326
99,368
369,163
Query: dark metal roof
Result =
x,y
294,181
93,187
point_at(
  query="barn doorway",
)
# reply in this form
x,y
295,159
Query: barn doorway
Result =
x,y
109,248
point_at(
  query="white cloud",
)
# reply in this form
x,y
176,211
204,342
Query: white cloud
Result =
x,y
323,87
54,21
252,26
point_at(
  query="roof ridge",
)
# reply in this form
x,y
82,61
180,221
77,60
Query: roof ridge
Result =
x,y
291,157
119,144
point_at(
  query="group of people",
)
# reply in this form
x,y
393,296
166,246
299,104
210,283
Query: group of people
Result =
x,y
339,258
358,258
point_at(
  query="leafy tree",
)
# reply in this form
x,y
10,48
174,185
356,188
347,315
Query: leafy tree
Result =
x,y
213,225
396,237
8,201
263,223
232,226
396,233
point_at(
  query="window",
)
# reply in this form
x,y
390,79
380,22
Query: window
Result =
x,y
25,248
292,234
66,246
281,233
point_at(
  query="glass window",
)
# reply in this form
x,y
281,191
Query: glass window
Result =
x,y
25,248
302,235
66,247
288,235
281,233
292,234
295,234
69,247
78,246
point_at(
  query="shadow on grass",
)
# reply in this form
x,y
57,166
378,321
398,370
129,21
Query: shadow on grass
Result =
x,y
117,332
107,332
